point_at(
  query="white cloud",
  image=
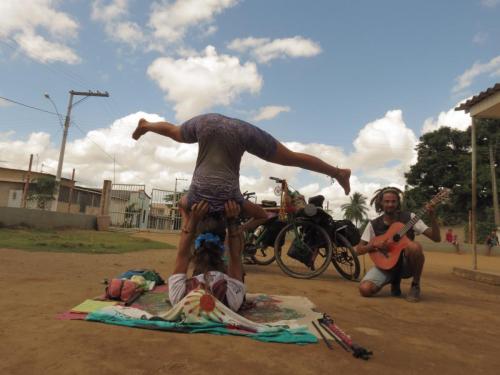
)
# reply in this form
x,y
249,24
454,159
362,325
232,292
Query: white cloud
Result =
x,y
153,160
198,83
270,112
170,21
385,148
110,12
492,68
490,3
453,119
116,27
265,49
156,161
38,48
24,23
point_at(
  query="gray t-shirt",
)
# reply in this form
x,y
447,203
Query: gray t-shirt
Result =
x,y
221,144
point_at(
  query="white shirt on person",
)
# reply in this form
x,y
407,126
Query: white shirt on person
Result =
x,y
235,289
369,233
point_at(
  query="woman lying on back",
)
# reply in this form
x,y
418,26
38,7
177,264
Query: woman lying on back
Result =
x,y
208,232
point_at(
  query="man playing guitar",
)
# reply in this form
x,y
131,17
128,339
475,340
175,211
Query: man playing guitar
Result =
x,y
411,261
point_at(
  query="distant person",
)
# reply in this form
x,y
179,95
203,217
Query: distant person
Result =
x,y
491,241
411,261
452,238
222,142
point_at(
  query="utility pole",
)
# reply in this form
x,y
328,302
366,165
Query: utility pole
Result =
x,y
27,183
474,193
65,135
494,185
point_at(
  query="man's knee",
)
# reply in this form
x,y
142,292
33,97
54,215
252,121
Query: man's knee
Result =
x,y
368,289
415,249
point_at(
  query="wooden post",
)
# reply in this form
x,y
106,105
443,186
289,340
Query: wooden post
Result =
x,y
103,219
27,183
105,198
474,192
470,228
71,190
494,191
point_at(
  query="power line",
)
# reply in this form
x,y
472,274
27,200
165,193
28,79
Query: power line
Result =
x,y
28,106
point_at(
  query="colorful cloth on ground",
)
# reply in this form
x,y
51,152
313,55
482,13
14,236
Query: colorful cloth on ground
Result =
x,y
201,312
90,305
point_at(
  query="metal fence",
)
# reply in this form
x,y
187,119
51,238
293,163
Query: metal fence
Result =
x,y
164,213
129,206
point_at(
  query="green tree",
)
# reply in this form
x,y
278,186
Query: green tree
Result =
x,y
444,160
356,209
42,191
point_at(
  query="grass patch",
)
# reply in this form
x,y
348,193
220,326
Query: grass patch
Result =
x,y
76,241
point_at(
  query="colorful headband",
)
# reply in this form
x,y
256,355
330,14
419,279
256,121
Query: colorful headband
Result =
x,y
208,238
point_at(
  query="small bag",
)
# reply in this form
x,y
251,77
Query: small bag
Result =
x,y
123,290
148,274
300,252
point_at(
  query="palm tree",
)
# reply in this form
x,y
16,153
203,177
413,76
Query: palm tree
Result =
x,y
356,209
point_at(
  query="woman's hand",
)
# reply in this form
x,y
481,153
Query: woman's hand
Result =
x,y
232,209
198,211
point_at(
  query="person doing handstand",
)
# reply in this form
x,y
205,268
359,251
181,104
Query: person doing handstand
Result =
x,y
209,270
222,142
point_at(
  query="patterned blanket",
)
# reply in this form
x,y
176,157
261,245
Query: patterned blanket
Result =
x,y
265,318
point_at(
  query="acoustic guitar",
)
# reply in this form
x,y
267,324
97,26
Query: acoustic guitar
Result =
x,y
396,237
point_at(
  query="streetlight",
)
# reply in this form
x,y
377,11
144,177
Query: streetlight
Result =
x,y
65,134
47,96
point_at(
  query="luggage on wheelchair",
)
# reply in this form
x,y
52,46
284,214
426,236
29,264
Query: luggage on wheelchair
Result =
x,y
265,203
348,230
273,228
301,252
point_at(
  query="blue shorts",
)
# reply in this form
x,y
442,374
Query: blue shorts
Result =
x,y
381,277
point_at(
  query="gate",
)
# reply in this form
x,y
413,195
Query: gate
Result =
x,y
164,213
129,206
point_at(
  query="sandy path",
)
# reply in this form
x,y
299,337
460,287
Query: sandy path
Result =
x,y
455,328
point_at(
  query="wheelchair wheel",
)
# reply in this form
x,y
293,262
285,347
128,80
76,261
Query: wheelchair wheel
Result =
x,y
264,254
345,259
256,251
303,250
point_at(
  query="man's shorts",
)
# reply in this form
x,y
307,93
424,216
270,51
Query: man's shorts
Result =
x,y
381,277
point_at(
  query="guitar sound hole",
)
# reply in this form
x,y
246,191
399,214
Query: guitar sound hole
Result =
x,y
396,237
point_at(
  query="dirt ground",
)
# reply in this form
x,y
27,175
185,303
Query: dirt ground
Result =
x,y
454,329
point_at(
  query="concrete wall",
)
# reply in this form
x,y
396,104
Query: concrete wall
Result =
x,y
41,219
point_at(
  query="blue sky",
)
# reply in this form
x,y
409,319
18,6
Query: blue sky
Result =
x,y
354,82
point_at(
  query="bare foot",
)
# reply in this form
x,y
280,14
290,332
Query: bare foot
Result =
x,y
140,130
343,177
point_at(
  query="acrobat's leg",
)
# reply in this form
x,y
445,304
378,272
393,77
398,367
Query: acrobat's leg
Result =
x,y
162,128
285,156
257,214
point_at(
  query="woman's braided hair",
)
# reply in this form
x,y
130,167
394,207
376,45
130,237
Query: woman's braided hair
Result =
x,y
208,257
379,195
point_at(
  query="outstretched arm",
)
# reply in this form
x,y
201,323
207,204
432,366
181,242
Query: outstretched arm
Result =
x,y
162,128
235,268
187,236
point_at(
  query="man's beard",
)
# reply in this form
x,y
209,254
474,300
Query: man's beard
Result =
x,y
391,213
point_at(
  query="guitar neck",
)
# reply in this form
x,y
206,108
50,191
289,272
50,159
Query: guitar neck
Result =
x,y
411,223
435,200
